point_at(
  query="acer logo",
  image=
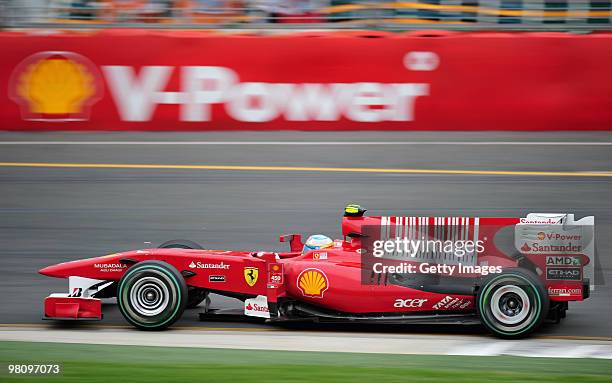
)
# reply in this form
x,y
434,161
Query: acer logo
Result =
x,y
409,303
137,95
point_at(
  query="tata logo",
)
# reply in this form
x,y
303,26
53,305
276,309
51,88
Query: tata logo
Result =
x,y
56,86
409,303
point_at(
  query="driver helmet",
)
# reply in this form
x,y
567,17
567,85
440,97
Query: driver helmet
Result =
x,y
316,242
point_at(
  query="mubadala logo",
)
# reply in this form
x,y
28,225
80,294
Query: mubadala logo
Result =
x,y
110,267
200,265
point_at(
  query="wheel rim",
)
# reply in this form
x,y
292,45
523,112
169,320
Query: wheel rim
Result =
x,y
510,305
149,296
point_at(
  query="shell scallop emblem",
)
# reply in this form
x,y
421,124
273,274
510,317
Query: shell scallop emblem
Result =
x,y
313,283
56,86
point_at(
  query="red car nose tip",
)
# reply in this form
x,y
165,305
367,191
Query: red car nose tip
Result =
x,y
50,271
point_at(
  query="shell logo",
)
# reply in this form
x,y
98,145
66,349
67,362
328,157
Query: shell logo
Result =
x,y
55,86
313,283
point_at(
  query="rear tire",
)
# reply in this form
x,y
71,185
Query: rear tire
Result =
x,y
512,304
152,295
180,244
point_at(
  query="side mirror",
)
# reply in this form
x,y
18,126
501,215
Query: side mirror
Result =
x,y
295,241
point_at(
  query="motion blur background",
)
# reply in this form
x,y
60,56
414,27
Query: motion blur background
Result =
x,y
338,13
495,108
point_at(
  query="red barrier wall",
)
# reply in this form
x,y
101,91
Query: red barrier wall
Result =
x,y
147,80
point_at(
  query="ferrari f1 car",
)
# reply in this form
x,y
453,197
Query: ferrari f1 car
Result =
x,y
517,273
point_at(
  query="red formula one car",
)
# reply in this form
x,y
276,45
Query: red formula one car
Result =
x,y
510,274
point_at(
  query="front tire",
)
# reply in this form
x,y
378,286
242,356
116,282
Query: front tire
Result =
x,y
512,304
152,295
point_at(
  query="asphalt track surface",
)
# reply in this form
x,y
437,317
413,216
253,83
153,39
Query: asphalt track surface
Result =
x,y
50,214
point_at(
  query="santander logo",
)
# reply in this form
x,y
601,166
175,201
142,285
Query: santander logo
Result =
x,y
257,308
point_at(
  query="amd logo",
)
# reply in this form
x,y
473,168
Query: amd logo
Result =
x,y
563,260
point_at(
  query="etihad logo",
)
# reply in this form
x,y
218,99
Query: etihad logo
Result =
x,y
313,283
55,86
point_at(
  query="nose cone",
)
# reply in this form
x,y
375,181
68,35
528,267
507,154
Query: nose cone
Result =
x,y
50,271
60,270
97,268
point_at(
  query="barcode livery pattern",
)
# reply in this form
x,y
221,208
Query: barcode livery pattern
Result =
x,y
440,229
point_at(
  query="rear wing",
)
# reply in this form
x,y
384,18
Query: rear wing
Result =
x,y
538,236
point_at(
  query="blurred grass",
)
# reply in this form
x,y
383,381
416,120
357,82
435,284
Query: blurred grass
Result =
x,y
109,363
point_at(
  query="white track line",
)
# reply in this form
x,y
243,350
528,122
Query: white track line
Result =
x,y
328,342
318,143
